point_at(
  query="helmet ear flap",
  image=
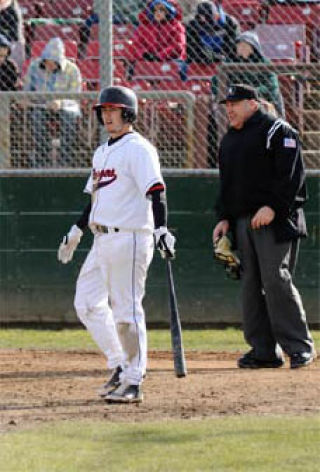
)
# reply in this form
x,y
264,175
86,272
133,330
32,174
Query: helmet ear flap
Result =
x,y
128,115
99,115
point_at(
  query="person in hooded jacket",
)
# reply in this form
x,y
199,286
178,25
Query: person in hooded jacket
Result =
x,y
249,51
53,72
211,35
9,73
160,35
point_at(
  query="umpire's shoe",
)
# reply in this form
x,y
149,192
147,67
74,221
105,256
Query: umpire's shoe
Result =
x,y
112,383
125,393
249,361
301,359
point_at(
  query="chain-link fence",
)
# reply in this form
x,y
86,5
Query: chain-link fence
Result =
x,y
179,56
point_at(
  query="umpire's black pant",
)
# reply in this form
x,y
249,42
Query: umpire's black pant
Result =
x,y
273,313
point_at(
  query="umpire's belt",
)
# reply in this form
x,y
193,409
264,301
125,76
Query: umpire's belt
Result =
x,y
105,229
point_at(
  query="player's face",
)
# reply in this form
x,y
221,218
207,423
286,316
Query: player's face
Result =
x,y
113,122
238,112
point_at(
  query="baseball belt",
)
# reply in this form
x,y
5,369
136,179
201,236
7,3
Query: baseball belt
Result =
x,y
104,229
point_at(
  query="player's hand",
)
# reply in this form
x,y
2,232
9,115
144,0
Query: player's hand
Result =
x,y
164,241
69,244
264,216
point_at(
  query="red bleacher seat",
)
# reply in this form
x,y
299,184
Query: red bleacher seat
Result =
x,y
247,12
139,85
57,9
279,51
94,32
279,42
121,49
198,87
46,31
145,70
197,71
294,14
71,48
90,70
124,31
27,10
281,33
93,49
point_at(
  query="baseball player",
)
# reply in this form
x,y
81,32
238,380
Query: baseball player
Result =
x,y
127,216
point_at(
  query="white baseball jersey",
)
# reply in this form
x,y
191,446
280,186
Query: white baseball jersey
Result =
x,y
122,173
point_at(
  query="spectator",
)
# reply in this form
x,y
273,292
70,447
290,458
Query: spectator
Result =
x,y
123,12
11,26
160,35
249,51
9,74
211,35
53,72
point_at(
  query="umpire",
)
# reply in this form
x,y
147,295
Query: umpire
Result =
x,y
262,191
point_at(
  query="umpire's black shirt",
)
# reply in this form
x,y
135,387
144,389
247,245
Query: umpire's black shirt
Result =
x,y
261,165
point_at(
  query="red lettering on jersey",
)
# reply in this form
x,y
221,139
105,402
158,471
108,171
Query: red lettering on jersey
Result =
x,y
98,175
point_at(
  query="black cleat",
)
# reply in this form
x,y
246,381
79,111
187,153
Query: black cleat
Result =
x,y
112,383
248,361
125,394
301,359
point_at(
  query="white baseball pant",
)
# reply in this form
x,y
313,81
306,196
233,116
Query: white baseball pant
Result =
x,y
109,293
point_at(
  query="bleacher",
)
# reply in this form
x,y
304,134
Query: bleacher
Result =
x,y
288,34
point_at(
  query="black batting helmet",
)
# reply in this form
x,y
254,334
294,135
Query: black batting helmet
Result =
x,y
121,97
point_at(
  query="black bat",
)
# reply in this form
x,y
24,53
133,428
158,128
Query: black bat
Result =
x,y
175,327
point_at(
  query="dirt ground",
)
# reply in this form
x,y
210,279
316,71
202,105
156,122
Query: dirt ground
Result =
x,y
42,386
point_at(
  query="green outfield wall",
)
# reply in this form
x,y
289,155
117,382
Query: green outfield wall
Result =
x,y
37,208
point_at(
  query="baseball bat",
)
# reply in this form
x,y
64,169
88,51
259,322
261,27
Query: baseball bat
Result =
x,y
175,327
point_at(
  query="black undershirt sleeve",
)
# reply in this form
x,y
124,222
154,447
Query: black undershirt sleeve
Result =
x,y
82,222
159,205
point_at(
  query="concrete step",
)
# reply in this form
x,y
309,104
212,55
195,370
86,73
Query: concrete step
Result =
x,y
311,120
311,159
311,140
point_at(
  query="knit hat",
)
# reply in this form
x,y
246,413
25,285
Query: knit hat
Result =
x,y
250,37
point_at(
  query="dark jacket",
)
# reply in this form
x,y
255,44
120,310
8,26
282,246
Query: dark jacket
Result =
x,y
11,24
9,76
9,73
261,165
212,40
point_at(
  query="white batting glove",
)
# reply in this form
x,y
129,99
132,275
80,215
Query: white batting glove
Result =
x,y
69,244
164,241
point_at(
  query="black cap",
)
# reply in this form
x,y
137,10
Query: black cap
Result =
x,y
237,92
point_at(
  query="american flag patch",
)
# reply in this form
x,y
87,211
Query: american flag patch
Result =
x,y
289,143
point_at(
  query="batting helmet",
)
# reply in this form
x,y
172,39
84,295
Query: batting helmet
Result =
x,y
120,97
